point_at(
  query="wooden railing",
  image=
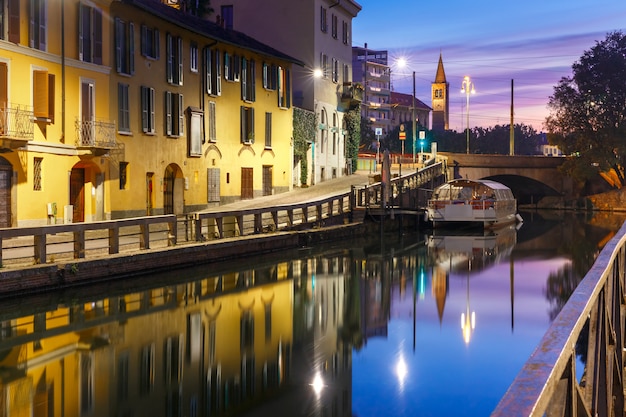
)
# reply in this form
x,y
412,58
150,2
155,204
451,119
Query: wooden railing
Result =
x,y
589,330
217,225
44,243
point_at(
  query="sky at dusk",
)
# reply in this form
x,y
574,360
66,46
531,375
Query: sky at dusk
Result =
x,y
534,42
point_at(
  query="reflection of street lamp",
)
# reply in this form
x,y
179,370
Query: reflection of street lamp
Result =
x,y
468,319
467,87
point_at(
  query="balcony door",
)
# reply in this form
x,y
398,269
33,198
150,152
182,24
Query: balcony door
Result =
x,y
87,113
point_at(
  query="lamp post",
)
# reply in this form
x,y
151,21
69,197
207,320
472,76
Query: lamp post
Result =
x,y
413,116
467,87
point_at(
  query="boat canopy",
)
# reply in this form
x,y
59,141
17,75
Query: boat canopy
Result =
x,y
463,189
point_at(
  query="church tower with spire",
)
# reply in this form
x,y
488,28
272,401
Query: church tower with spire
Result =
x,y
440,99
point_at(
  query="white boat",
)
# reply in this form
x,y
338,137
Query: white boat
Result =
x,y
480,202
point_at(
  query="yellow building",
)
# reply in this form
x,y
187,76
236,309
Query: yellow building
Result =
x,y
127,108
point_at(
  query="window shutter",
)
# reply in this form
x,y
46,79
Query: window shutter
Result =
x,y
168,113
40,91
227,67
157,44
207,69
131,48
244,78
144,109
43,18
218,73
252,80
51,97
180,61
151,91
81,30
3,85
14,21
144,40
243,124
31,25
181,116
97,36
212,128
288,87
170,58
119,36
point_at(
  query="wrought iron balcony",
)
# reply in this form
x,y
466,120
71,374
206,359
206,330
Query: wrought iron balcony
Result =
x,y
97,136
16,126
352,94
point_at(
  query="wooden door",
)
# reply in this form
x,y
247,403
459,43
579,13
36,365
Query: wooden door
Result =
x,y
149,193
267,180
213,183
247,185
168,191
5,196
77,194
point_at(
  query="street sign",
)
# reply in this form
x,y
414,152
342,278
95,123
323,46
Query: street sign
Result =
x,y
379,131
402,135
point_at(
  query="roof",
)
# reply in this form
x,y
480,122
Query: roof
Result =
x,y
487,183
207,28
441,74
401,99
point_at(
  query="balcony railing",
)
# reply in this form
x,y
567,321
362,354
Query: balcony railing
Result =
x,y
352,94
16,125
95,135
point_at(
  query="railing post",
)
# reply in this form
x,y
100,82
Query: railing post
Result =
x,y
79,244
40,248
258,222
1,252
144,236
198,227
114,239
172,233
219,221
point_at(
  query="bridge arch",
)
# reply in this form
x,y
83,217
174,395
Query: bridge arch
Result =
x,y
526,190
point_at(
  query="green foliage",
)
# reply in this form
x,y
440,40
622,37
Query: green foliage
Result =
x,y
304,125
352,119
588,109
490,140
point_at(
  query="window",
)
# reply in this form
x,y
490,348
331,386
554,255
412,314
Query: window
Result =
x,y
149,42
268,130
43,95
123,108
334,25
123,174
174,64
346,33
324,65
284,88
146,371
147,109
37,164
89,34
124,47
323,19
195,131
334,130
174,115
335,70
212,118
247,125
213,73
248,78
193,57
231,67
38,22
270,74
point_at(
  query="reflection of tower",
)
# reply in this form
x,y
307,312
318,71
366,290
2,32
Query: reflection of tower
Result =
x,y
440,289
440,99
468,319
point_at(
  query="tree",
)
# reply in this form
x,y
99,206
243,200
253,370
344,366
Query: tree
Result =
x,y
588,110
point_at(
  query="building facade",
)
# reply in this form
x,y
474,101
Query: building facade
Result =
x,y
369,67
402,111
440,99
319,34
113,109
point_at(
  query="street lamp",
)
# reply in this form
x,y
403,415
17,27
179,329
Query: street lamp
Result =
x,y
467,87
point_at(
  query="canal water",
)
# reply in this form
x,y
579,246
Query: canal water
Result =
x,y
409,324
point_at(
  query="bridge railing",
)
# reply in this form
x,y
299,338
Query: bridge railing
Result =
x,y
588,330
404,191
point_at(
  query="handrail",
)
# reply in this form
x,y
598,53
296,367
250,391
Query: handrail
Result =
x,y
593,318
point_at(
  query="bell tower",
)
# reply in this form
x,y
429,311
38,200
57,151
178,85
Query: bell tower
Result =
x,y
440,99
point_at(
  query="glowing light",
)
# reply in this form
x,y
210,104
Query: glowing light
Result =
x,y
317,384
401,370
317,73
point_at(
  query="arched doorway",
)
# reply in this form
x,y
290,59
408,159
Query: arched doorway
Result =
x,y
86,192
6,176
173,183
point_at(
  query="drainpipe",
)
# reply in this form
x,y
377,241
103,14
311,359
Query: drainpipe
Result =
x,y
63,71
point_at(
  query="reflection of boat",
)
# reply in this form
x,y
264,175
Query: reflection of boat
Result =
x,y
484,202
484,248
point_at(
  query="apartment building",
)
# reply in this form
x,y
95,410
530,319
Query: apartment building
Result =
x,y
112,109
319,34
371,70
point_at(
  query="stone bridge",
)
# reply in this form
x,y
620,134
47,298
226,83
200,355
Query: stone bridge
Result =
x,y
529,177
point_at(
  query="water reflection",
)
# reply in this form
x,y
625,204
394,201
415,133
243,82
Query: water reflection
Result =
x,y
321,331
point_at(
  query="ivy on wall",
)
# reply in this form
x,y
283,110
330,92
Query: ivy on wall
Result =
x,y
352,119
304,124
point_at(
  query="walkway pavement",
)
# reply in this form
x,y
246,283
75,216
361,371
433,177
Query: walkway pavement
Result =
x,y
318,191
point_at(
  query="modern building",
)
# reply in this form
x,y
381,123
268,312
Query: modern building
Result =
x,y
319,34
440,99
112,109
369,67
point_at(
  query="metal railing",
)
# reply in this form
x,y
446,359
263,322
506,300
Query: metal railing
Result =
x,y
16,122
588,330
95,133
